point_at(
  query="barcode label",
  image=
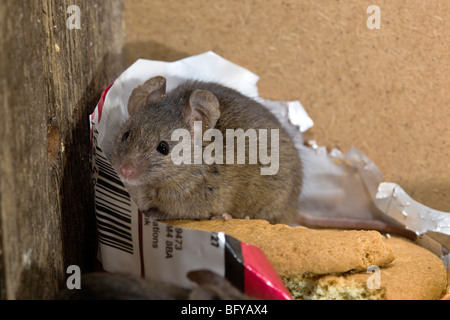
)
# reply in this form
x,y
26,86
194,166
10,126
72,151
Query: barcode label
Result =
x,y
112,203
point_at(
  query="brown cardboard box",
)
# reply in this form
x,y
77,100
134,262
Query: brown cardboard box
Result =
x,y
383,91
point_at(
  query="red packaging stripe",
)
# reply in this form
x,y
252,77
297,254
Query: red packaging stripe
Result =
x,y
102,101
99,108
260,278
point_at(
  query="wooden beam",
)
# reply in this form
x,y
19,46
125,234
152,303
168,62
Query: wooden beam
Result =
x,y
51,77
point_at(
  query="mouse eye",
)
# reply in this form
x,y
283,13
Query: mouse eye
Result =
x,y
126,135
163,147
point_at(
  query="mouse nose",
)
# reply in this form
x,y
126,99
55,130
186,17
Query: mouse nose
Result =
x,y
128,171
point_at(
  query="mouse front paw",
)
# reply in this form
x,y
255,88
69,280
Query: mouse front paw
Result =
x,y
154,214
224,216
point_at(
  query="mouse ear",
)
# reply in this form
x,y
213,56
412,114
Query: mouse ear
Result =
x,y
203,106
150,91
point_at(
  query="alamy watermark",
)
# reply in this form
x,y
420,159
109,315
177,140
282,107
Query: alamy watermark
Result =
x,y
74,20
374,20
213,153
374,281
74,280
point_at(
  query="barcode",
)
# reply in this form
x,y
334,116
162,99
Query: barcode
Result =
x,y
112,203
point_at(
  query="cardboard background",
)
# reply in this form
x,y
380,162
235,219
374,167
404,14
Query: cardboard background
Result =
x,y
383,91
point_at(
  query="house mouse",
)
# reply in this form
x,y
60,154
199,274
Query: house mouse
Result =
x,y
143,155
120,286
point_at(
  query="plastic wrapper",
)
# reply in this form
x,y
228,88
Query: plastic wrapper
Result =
x,y
334,186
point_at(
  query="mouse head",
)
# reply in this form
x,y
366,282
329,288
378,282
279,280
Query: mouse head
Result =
x,y
142,150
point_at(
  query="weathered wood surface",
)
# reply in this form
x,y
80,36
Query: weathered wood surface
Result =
x,y
51,78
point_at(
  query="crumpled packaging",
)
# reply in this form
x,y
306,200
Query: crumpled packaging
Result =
x,y
334,185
